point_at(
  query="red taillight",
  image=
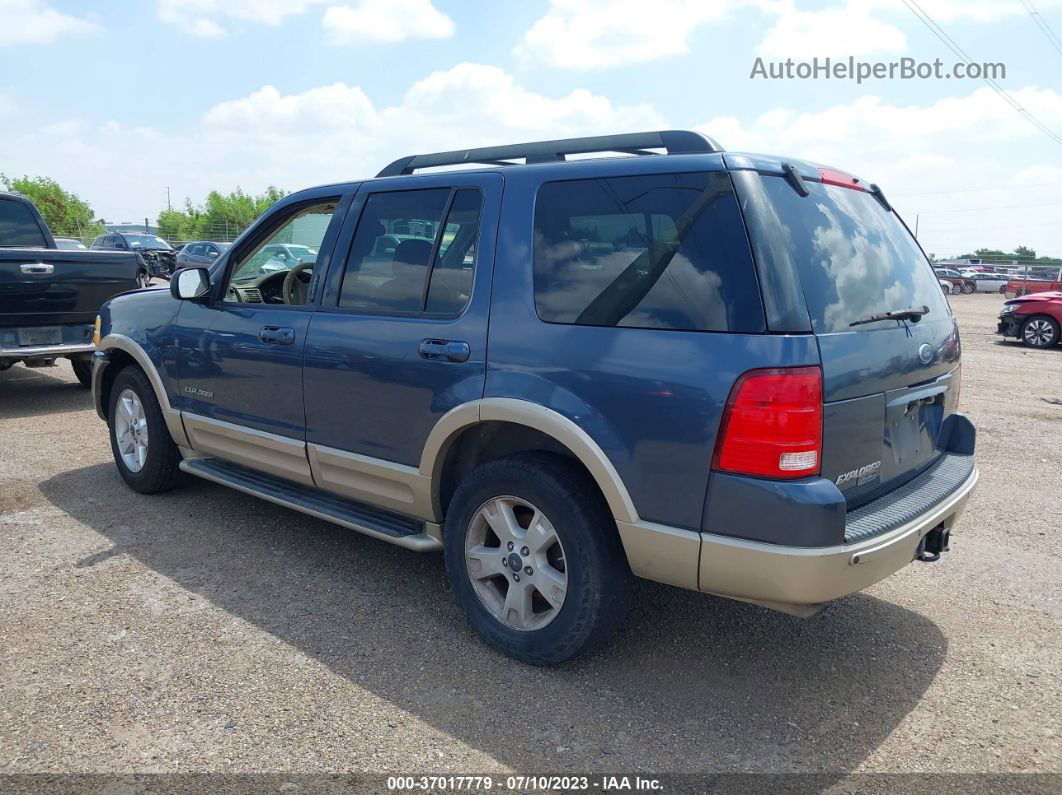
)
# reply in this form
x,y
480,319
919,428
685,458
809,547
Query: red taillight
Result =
x,y
831,177
772,425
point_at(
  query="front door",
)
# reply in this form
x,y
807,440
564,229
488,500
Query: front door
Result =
x,y
239,354
400,336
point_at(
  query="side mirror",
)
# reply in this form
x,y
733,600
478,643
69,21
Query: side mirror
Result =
x,y
213,255
190,284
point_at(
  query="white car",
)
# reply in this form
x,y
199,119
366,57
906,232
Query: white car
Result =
x,y
990,282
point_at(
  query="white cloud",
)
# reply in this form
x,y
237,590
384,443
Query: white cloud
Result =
x,y
386,21
35,22
325,134
203,17
587,34
831,32
921,155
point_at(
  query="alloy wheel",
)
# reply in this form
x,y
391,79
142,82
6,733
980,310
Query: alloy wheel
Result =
x,y
1039,333
516,563
130,430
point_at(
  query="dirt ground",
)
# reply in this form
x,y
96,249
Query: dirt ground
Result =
x,y
205,630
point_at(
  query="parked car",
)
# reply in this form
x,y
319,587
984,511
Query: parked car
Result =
x,y
49,296
990,283
199,254
960,283
586,381
69,244
945,286
1033,319
157,254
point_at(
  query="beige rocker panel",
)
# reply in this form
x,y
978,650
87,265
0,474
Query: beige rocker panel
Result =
x,y
373,480
171,415
267,452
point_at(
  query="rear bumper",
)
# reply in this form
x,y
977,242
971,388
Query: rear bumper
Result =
x,y
880,539
761,572
45,351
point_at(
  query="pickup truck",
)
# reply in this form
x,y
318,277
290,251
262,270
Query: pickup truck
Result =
x,y
49,296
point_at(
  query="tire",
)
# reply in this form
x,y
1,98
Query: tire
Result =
x,y
598,582
1003,290
967,288
1039,331
143,279
955,289
83,371
158,469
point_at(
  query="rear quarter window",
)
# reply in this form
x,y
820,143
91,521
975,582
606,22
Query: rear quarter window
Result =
x,y
855,258
665,251
18,227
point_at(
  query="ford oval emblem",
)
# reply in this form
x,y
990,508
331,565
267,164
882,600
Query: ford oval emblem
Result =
x,y
925,353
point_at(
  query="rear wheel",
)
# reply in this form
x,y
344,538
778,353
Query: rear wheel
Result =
x,y
1003,289
83,371
534,558
967,288
143,278
143,449
1039,331
955,289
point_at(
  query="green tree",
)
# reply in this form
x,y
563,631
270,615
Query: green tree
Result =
x,y
1023,252
67,214
220,217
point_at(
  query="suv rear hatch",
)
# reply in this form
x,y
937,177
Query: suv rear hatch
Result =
x,y
889,385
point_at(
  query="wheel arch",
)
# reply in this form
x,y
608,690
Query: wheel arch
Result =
x,y
126,351
542,427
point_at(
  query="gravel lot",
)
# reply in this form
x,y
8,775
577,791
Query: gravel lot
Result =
x,y
204,630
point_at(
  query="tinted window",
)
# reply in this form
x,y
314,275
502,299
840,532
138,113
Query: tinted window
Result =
x,y
855,257
18,227
389,256
666,251
98,242
451,275
195,250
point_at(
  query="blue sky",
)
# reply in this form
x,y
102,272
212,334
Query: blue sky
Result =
x,y
119,99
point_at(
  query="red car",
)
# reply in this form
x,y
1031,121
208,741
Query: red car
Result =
x,y
1034,319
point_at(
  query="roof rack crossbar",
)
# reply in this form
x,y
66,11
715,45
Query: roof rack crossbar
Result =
x,y
672,141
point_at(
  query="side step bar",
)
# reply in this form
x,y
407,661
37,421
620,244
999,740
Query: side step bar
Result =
x,y
385,525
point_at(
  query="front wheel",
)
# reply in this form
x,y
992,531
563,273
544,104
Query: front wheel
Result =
x,y
1039,331
143,449
967,288
955,289
534,558
143,279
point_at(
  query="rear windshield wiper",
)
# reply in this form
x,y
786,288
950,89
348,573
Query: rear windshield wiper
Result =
x,y
913,313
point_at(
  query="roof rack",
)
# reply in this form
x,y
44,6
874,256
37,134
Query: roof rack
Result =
x,y
674,142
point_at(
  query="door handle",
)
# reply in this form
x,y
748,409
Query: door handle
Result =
x,y
451,350
277,335
37,268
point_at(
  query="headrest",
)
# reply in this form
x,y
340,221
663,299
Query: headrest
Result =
x,y
413,252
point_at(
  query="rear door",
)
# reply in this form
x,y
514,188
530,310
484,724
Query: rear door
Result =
x,y
889,386
401,336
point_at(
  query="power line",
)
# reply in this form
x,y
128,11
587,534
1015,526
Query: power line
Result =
x,y
1042,24
951,44
996,207
993,189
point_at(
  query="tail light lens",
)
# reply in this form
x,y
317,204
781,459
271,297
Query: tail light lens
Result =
x,y
772,425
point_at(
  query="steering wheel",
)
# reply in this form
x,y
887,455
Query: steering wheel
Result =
x,y
295,287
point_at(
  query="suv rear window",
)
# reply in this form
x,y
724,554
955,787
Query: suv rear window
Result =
x,y
665,251
18,227
855,258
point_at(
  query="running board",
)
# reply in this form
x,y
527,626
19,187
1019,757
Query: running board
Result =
x,y
385,525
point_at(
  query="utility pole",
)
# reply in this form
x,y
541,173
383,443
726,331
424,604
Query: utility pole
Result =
x,y
916,226
168,205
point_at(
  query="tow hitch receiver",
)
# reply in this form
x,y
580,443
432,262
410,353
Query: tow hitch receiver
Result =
x,y
932,544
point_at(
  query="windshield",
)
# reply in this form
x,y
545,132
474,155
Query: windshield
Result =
x,y
146,241
855,258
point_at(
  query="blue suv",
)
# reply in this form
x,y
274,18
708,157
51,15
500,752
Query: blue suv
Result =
x,y
732,373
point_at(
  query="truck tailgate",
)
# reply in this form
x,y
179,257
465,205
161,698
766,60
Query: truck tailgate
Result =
x,y
55,287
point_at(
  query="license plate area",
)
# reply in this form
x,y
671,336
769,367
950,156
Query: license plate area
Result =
x,y
40,335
